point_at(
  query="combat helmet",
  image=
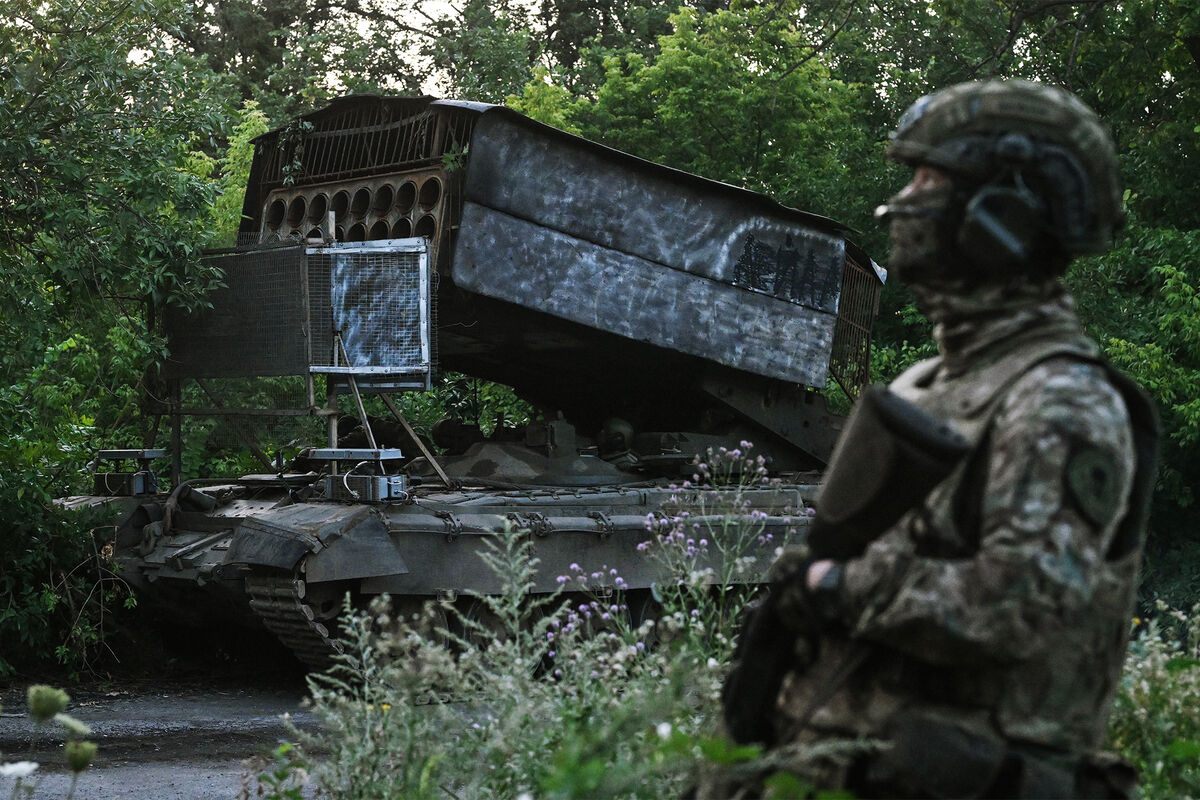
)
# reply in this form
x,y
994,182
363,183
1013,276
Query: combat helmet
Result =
x,y
1035,163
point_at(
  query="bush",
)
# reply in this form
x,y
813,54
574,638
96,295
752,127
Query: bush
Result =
x,y
1155,722
559,696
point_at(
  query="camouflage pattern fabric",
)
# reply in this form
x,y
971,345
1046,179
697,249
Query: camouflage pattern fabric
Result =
x,y
994,605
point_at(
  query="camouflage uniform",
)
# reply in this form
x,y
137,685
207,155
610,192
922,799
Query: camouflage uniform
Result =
x,y
994,604
973,649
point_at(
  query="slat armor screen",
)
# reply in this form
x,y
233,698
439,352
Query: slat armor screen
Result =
x,y
281,306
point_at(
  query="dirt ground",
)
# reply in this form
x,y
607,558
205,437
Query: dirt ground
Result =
x,y
166,739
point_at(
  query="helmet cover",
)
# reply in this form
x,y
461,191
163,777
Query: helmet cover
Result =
x,y
1051,140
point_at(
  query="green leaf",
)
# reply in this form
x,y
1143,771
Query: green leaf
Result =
x,y
1184,750
1181,663
723,751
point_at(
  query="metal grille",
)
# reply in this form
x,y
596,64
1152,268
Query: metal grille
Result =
x,y
850,362
379,303
365,136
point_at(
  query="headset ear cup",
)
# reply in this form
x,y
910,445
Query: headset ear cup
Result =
x,y
1000,227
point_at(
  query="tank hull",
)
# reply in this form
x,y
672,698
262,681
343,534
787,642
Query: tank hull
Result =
x,y
260,555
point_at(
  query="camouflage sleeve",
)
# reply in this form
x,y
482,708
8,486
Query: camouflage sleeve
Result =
x,y
1043,535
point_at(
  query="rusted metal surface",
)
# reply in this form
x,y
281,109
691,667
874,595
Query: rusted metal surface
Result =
x,y
362,135
413,202
851,358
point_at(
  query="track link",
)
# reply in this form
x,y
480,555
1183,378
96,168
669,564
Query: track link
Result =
x,y
279,602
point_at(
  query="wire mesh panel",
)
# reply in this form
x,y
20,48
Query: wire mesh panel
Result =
x,y
281,308
379,302
255,326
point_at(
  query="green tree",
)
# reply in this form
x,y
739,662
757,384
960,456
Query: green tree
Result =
x,y
289,56
737,95
104,214
233,174
484,51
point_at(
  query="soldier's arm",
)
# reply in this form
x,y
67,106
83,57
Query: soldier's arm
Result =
x,y
1045,530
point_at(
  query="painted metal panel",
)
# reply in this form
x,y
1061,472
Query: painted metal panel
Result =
x,y
614,200
536,266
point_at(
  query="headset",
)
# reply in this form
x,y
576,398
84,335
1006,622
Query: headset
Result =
x,y
1005,222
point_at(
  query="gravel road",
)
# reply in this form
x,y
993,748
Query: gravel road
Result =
x,y
164,740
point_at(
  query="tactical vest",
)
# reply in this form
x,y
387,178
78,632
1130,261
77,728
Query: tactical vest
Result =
x,y
974,400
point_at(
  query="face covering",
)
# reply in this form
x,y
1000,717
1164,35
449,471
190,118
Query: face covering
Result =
x,y
920,225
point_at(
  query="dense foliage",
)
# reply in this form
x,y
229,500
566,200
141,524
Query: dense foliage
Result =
x,y
1153,723
104,214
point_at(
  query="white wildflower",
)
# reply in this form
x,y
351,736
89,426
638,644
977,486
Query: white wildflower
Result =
x,y
18,769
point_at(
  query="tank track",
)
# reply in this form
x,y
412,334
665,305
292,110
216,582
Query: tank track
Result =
x,y
279,602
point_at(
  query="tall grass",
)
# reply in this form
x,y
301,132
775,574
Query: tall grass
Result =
x,y
551,696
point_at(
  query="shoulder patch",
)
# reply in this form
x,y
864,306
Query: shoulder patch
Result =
x,y
1092,483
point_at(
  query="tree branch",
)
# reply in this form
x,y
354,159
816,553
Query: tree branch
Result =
x,y
816,50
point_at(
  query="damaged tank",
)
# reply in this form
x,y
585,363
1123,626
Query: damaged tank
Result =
x,y
645,313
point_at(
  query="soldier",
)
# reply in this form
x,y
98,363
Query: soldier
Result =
x,y
973,647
